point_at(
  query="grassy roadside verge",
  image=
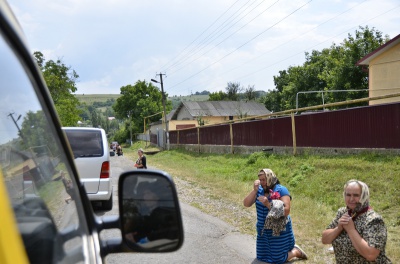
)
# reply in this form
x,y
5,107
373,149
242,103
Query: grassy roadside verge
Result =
x,y
315,182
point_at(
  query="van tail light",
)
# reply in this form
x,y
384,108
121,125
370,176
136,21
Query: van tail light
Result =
x,y
105,170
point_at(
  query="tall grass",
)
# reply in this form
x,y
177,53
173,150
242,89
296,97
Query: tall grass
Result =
x,y
315,183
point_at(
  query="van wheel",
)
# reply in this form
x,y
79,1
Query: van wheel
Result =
x,y
107,205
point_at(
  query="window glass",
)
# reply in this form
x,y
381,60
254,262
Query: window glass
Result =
x,y
37,178
85,143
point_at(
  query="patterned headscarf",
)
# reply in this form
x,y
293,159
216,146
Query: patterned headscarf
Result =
x,y
363,204
271,177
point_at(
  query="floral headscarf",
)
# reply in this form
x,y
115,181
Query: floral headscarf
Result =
x,y
270,176
363,205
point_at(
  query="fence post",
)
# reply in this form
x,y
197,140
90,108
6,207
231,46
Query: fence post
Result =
x,y
293,133
177,132
198,138
231,135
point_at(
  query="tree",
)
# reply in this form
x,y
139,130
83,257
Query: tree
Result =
x,y
326,71
344,74
272,101
233,90
60,80
250,93
218,96
68,112
137,102
95,118
202,93
33,129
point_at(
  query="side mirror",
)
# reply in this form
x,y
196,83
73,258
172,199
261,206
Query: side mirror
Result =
x,y
149,211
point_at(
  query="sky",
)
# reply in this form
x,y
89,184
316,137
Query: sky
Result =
x,y
197,45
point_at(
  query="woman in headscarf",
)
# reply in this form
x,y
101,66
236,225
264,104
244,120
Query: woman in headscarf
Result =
x,y
358,234
273,246
141,161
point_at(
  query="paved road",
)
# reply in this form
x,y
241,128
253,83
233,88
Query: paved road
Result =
x,y
207,239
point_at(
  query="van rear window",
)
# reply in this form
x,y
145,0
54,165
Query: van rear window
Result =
x,y
85,143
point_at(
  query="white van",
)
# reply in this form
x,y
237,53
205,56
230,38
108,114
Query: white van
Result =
x,y
92,159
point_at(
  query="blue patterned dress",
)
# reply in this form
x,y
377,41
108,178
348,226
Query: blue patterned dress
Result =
x,y
272,249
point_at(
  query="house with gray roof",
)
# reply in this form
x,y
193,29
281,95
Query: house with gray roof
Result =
x,y
195,113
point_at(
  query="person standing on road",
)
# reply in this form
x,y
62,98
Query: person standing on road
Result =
x,y
141,161
273,246
119,150
358,234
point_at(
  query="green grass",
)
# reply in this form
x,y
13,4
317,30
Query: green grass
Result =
x,y
315,182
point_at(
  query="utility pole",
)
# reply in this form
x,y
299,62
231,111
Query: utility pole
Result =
x,y
163,103
15,122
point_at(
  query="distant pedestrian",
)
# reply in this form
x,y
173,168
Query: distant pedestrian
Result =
x,y
275,238
141,161
119,150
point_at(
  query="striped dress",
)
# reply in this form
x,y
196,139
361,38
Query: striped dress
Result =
x,y
272,249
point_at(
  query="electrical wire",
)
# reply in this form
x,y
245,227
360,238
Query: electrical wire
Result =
x,y
245,43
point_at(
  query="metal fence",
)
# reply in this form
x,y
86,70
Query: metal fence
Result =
x,y
376,126
367,127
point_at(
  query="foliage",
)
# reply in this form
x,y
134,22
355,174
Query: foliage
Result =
x,y
272,101
60,80
68,112
137,102
231,94
33,131
202,93
218,96
250,93
121,135
233,90
331,71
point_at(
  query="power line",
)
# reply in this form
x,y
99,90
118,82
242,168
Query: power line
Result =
x,y
294,54
291,40
204,31
297,9
345,31
219,43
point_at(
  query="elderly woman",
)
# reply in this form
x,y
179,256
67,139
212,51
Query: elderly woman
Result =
x,y
274,243
358,234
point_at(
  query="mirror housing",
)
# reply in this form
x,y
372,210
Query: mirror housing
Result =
x,y
149,209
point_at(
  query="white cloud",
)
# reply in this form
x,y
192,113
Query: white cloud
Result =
x,y
112,43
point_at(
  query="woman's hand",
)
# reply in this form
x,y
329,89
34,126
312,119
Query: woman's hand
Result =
x,y
346,222
256,185
250,199
264,200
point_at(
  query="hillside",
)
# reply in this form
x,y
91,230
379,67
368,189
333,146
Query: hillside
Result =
x,y
89,99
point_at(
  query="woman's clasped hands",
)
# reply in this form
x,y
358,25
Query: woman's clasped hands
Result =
x,y
346,222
